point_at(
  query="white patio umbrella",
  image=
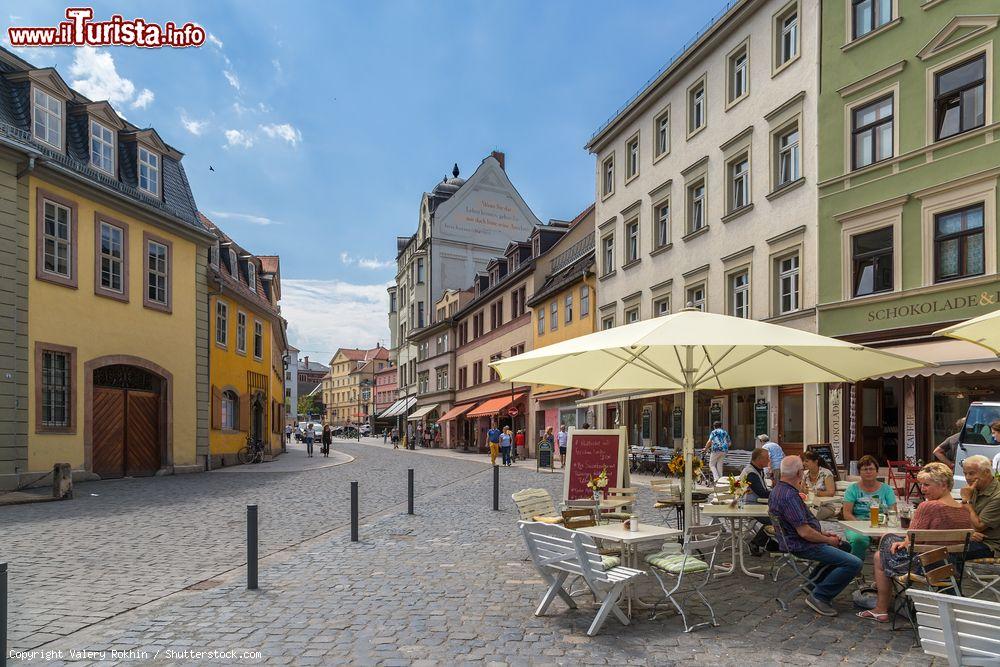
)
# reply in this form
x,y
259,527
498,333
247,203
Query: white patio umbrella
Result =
x,y
983,330
692,350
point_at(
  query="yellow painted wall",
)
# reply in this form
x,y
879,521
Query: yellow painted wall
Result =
x,y
228,370
97,326
580,326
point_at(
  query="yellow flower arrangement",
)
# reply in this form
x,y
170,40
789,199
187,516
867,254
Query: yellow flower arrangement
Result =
x,y
598,482
676,466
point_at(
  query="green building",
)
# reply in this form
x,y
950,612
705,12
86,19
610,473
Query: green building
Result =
x,y
909,159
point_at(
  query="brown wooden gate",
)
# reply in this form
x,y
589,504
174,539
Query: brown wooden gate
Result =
x,y
126,423
109,432
142,433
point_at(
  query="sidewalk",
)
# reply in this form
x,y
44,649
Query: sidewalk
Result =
x,y
293,460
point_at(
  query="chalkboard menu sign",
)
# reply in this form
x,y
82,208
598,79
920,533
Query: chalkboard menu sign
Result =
x,y
760,417
544,455
826,459
588,452
678,423
715,414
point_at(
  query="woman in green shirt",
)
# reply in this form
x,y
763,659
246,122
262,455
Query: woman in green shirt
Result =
x,y
858,502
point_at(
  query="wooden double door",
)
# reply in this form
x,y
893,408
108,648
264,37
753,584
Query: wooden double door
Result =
x,y
126,430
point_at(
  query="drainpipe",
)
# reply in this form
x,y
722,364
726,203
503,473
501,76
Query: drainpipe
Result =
x,y
208,308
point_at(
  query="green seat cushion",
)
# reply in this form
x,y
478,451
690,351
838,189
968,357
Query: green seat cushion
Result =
x,y
609,562
675,563
616,515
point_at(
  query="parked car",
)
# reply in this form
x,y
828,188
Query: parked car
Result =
x,y
365,429
976,437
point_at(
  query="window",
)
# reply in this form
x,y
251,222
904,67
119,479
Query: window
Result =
x,y
392,302
960,98
632,158
866,15
56,387
149,171
871,132
609,255
632,241
478,324
696,107
739,74
252,275
241,332
696,206
463,377
517,349
230,411
157,274
959,249
493,374
541,321
517,299
607,322
632,315
787,148
661,306
739,294
568,308
477,373
662,128
787,43
57,239
221,323
423,378
112,261
788,284
661,214
871,254
554,320
441,382
46,114
420,269
102,148
739,183
584,301
696,297
420,314
607,177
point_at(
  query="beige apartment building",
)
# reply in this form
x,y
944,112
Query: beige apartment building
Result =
x,y
706,197
348,387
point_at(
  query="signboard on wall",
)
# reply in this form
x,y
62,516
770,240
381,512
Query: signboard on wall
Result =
x,y
678,423
909,420
760,411
588,452
836,423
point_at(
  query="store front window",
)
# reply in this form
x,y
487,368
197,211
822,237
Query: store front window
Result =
x,y
952,395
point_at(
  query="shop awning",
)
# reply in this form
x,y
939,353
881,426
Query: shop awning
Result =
x,y
456,412
421,411
952,357
559,394
495,405
615,396
391,410
400,407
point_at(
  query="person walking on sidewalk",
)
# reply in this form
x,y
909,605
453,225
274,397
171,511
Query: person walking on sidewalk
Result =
x,y
493,438
395,438
506,442
563,439
310,437
327,440
519,442
719,442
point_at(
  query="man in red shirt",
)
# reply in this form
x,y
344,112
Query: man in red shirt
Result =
x,y
518,441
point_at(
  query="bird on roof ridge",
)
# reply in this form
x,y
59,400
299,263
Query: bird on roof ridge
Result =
x,y
454,171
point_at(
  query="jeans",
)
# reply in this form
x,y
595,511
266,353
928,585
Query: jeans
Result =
x,y
506,455
309,446
715,463
978,550
838,568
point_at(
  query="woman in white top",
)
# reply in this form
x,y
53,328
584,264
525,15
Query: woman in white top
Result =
x,y
815,478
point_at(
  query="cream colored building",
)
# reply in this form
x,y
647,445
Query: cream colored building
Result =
x,y
706,196
347,388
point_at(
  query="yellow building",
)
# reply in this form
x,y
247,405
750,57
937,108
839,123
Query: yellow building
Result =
x,y
246,336
563,307
347,389
109,278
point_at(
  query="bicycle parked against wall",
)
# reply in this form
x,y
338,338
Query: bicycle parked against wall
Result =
x,y
252,453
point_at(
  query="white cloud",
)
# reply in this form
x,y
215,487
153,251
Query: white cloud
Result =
x,y
324,315
231,77
98,79
277,66
195,127
282,131
215,40
239,139
245,217
373,263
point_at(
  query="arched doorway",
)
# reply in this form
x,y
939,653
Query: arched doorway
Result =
x,y
126,421
257,417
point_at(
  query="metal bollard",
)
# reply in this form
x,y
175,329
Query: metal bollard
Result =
x,y
409,491
251,547
496,488
354,511
3,614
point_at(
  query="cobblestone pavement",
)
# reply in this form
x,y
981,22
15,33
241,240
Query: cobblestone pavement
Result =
x,y
450,585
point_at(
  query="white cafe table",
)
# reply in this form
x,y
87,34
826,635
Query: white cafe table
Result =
x,y
866,529
736,516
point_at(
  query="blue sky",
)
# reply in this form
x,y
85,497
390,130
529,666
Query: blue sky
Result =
x,y
325,122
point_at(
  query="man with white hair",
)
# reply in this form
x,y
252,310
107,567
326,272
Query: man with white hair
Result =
x,y
804,537
982,499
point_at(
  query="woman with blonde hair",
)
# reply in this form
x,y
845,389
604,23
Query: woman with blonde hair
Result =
x,y
939,511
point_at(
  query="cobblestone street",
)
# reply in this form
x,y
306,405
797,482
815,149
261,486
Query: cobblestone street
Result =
x,y
451,585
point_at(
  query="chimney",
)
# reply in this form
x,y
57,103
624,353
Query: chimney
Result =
x,y
307,362
499,157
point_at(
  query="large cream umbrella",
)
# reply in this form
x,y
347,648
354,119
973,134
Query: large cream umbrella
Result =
x,y
692,350
983,330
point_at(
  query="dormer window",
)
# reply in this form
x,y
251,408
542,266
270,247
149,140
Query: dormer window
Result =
x,y
47,118
149,172
213,255
102,148
252,275
234,268
536,247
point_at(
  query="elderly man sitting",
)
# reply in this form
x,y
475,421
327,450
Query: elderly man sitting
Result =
x,y
982,500
805,538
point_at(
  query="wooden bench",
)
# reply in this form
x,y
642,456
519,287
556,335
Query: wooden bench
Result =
x,y
557,553
962,630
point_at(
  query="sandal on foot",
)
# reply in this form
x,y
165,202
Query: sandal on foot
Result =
x,y
869,614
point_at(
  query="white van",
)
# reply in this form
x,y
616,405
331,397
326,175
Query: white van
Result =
x,y
976,437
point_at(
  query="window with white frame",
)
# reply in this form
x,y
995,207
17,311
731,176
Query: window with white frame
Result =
x,y
420,269
661,215
230,409
112,257
661,127
554,319
57,239
252,275
47,116
788,284
607,176
696,296
258,340
739,294
632,158
608,254
241,332
696,107
788,153
739,182
872,262
234,266
568,309
607,322
584,301
787,37
867,15
632,241
541,321
871,132
102,148
632,315
739,74
157,264
960,98
149,171
696,206
959,248
221,322
661,306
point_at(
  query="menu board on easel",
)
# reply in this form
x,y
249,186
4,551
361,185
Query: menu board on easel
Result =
x,y
588,452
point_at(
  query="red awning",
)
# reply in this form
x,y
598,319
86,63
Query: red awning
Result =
x,y
456,412
558,394
495,405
